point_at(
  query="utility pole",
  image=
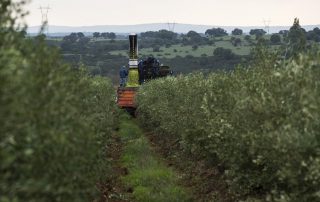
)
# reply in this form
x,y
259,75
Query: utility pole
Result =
x,y
171,26
267,25
44,18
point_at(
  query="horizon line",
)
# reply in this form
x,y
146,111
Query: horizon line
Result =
x,y
175,23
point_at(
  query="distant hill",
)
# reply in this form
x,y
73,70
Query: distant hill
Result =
x,y
179,28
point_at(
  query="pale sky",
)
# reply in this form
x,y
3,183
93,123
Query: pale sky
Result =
x,y
205,12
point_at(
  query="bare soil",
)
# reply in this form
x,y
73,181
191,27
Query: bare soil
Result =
x,y
112,190
205,182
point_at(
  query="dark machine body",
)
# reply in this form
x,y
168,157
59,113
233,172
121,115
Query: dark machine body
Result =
x,y
150,68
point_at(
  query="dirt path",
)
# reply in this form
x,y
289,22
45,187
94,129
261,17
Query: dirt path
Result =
x,y
150,168
148,178
112,190
205,182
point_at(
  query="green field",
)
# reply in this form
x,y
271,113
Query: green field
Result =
x,y
202,50
183,51
148,177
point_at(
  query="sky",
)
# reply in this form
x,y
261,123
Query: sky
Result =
x,y
204,12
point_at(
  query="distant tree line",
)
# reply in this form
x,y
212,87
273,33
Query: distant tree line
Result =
x,y
76,37
78,46
237,31
161,34
74,41
314,35
195,39
216,32
156,39
275,39
105,35
78,43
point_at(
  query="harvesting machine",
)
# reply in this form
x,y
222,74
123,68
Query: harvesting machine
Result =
x,y
138,73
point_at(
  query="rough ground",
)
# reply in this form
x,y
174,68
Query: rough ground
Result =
x,y
113,189
148,178
205,183
147,167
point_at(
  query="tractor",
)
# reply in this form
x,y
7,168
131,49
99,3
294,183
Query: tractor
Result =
x,y
139,72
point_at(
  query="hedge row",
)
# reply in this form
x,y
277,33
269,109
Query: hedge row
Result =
x,y
261,124
54,121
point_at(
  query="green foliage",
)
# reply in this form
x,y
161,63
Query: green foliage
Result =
x,y
195,47
193,34
193,38
109,35
257,32
105,58
55,121
223,53
275,39
149,179
263,56
314,35
236,41
284,32
247,38
296,39
156,49
161,34
237,31
260,124
96,35
216,32
73,37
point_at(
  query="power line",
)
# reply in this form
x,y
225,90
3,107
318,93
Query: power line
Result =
x,y
44,18
171,26
267,25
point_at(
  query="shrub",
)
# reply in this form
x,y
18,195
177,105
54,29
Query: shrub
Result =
x,y
55,122
156,49
194,47
247,38
223,53
275,39
260,124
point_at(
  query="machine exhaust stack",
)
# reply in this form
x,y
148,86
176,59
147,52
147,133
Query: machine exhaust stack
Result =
x,y
133,77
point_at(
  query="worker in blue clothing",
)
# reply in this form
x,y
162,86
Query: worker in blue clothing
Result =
x,y
141,73
123,76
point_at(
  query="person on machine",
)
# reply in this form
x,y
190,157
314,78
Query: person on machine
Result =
x,y
123,76
141,72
